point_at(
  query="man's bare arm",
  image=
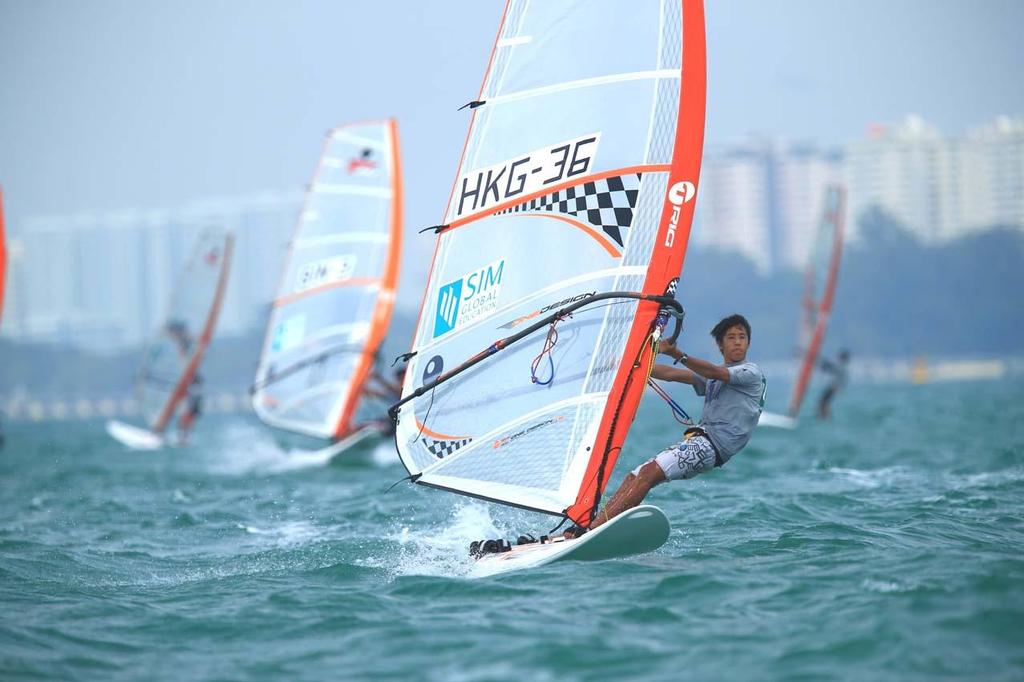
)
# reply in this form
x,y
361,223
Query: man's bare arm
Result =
x,y
669,373
706,369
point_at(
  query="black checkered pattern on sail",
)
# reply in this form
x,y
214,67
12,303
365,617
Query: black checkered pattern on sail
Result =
x,y
443,448
607,204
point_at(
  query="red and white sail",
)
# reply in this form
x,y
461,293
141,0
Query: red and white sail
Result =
x,y
3,255
175,353
337,291
820,279
577,179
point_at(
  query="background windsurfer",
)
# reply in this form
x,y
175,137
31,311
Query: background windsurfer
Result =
x,y
733,399
388,390
839,372
192,410
183,342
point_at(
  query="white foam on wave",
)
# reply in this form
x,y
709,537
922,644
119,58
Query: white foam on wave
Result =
x,y
285,534
384,453
441,550
885,586
871,478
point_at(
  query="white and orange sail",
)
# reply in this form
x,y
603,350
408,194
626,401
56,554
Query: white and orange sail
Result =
x,y
820,280
557,260
3,255
337,292
175,353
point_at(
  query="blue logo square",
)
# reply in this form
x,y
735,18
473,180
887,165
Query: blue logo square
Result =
x,y
448,299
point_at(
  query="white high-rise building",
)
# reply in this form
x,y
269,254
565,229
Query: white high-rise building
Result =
x,y
909,171
734,204
764,200
104,281
803,174
992,176
939,187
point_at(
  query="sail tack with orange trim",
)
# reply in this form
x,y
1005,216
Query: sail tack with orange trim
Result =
x,y
576,185
337,291
174,355
820,280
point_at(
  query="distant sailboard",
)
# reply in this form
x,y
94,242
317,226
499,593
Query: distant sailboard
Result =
x,y
555,268
820,279
337,292
173,357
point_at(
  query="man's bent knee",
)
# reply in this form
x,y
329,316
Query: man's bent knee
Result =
x,y
651,474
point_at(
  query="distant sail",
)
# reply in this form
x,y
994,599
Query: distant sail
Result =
x,y
174,355
562,243
3,255
819,290
337,292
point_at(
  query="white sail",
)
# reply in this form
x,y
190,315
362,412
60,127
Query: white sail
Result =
x,y
3,255
172,358
337,292
820,279
577,181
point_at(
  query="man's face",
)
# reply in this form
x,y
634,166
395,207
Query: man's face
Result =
x,y
734,345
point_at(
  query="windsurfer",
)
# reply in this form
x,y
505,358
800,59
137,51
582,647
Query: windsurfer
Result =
x,y
183,341
388,390
733,398
839,374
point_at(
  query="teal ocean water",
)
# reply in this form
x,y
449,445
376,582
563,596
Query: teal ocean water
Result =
x,y
887,544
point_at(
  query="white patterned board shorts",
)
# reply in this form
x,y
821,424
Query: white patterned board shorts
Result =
x,y
687,458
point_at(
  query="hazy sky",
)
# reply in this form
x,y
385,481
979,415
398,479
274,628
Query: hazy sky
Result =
x,y
136,103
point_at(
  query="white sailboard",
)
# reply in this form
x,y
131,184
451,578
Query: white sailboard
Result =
x,y
134,437
820,278
172,359
635,531
555,267
337,291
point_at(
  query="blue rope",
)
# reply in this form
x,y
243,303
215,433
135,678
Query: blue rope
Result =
x,y
676,408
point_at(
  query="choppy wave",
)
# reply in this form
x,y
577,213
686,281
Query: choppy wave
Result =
x,y
882,545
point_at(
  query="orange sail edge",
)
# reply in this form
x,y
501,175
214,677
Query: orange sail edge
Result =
x,y
385,304
181,387
3,255
666,264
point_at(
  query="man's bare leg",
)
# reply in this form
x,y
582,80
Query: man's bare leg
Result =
x,y
631,493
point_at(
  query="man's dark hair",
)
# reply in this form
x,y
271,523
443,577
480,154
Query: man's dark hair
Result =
x,y
732,321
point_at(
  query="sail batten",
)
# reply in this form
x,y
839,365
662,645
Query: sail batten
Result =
x,y
336,295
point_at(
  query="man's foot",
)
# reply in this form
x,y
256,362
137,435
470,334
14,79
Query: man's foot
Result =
x,y
574,532
479,548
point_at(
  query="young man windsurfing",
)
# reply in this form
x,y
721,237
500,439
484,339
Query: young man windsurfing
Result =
x,y
733,399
